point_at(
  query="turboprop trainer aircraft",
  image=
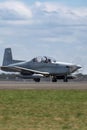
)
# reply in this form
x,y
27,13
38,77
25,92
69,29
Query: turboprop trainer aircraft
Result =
x,y
38,67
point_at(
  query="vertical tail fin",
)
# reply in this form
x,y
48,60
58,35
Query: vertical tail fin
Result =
x,y
7,59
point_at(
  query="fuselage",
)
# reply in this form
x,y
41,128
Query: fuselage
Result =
x,y
57,68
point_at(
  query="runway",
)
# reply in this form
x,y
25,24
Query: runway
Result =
x,y
22,85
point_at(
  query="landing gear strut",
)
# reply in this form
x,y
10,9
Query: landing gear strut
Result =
x,y
65,79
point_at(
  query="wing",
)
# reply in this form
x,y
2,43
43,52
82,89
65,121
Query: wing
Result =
x,y
22,69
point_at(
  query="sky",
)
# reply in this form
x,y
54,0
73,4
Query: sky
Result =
x,y
56,28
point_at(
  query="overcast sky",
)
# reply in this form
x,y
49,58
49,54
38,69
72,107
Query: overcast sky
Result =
x,y
56,28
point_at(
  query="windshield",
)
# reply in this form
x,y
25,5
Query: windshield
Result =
x,y
44,59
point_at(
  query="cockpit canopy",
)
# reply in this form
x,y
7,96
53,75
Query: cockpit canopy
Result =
x,y
44,59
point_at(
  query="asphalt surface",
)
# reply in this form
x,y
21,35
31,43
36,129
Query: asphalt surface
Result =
x,y
5,85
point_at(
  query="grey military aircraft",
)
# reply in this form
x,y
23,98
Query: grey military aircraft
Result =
x,y
39,67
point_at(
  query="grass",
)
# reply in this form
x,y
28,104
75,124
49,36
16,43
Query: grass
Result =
x,y
43,110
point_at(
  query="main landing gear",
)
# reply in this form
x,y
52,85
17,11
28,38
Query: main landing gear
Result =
x,y
37,79
65,79
54,79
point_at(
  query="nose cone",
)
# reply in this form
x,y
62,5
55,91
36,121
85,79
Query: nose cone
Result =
x,y
74,68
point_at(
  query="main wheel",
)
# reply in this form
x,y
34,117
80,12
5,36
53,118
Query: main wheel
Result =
x,y
54,79
37,79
